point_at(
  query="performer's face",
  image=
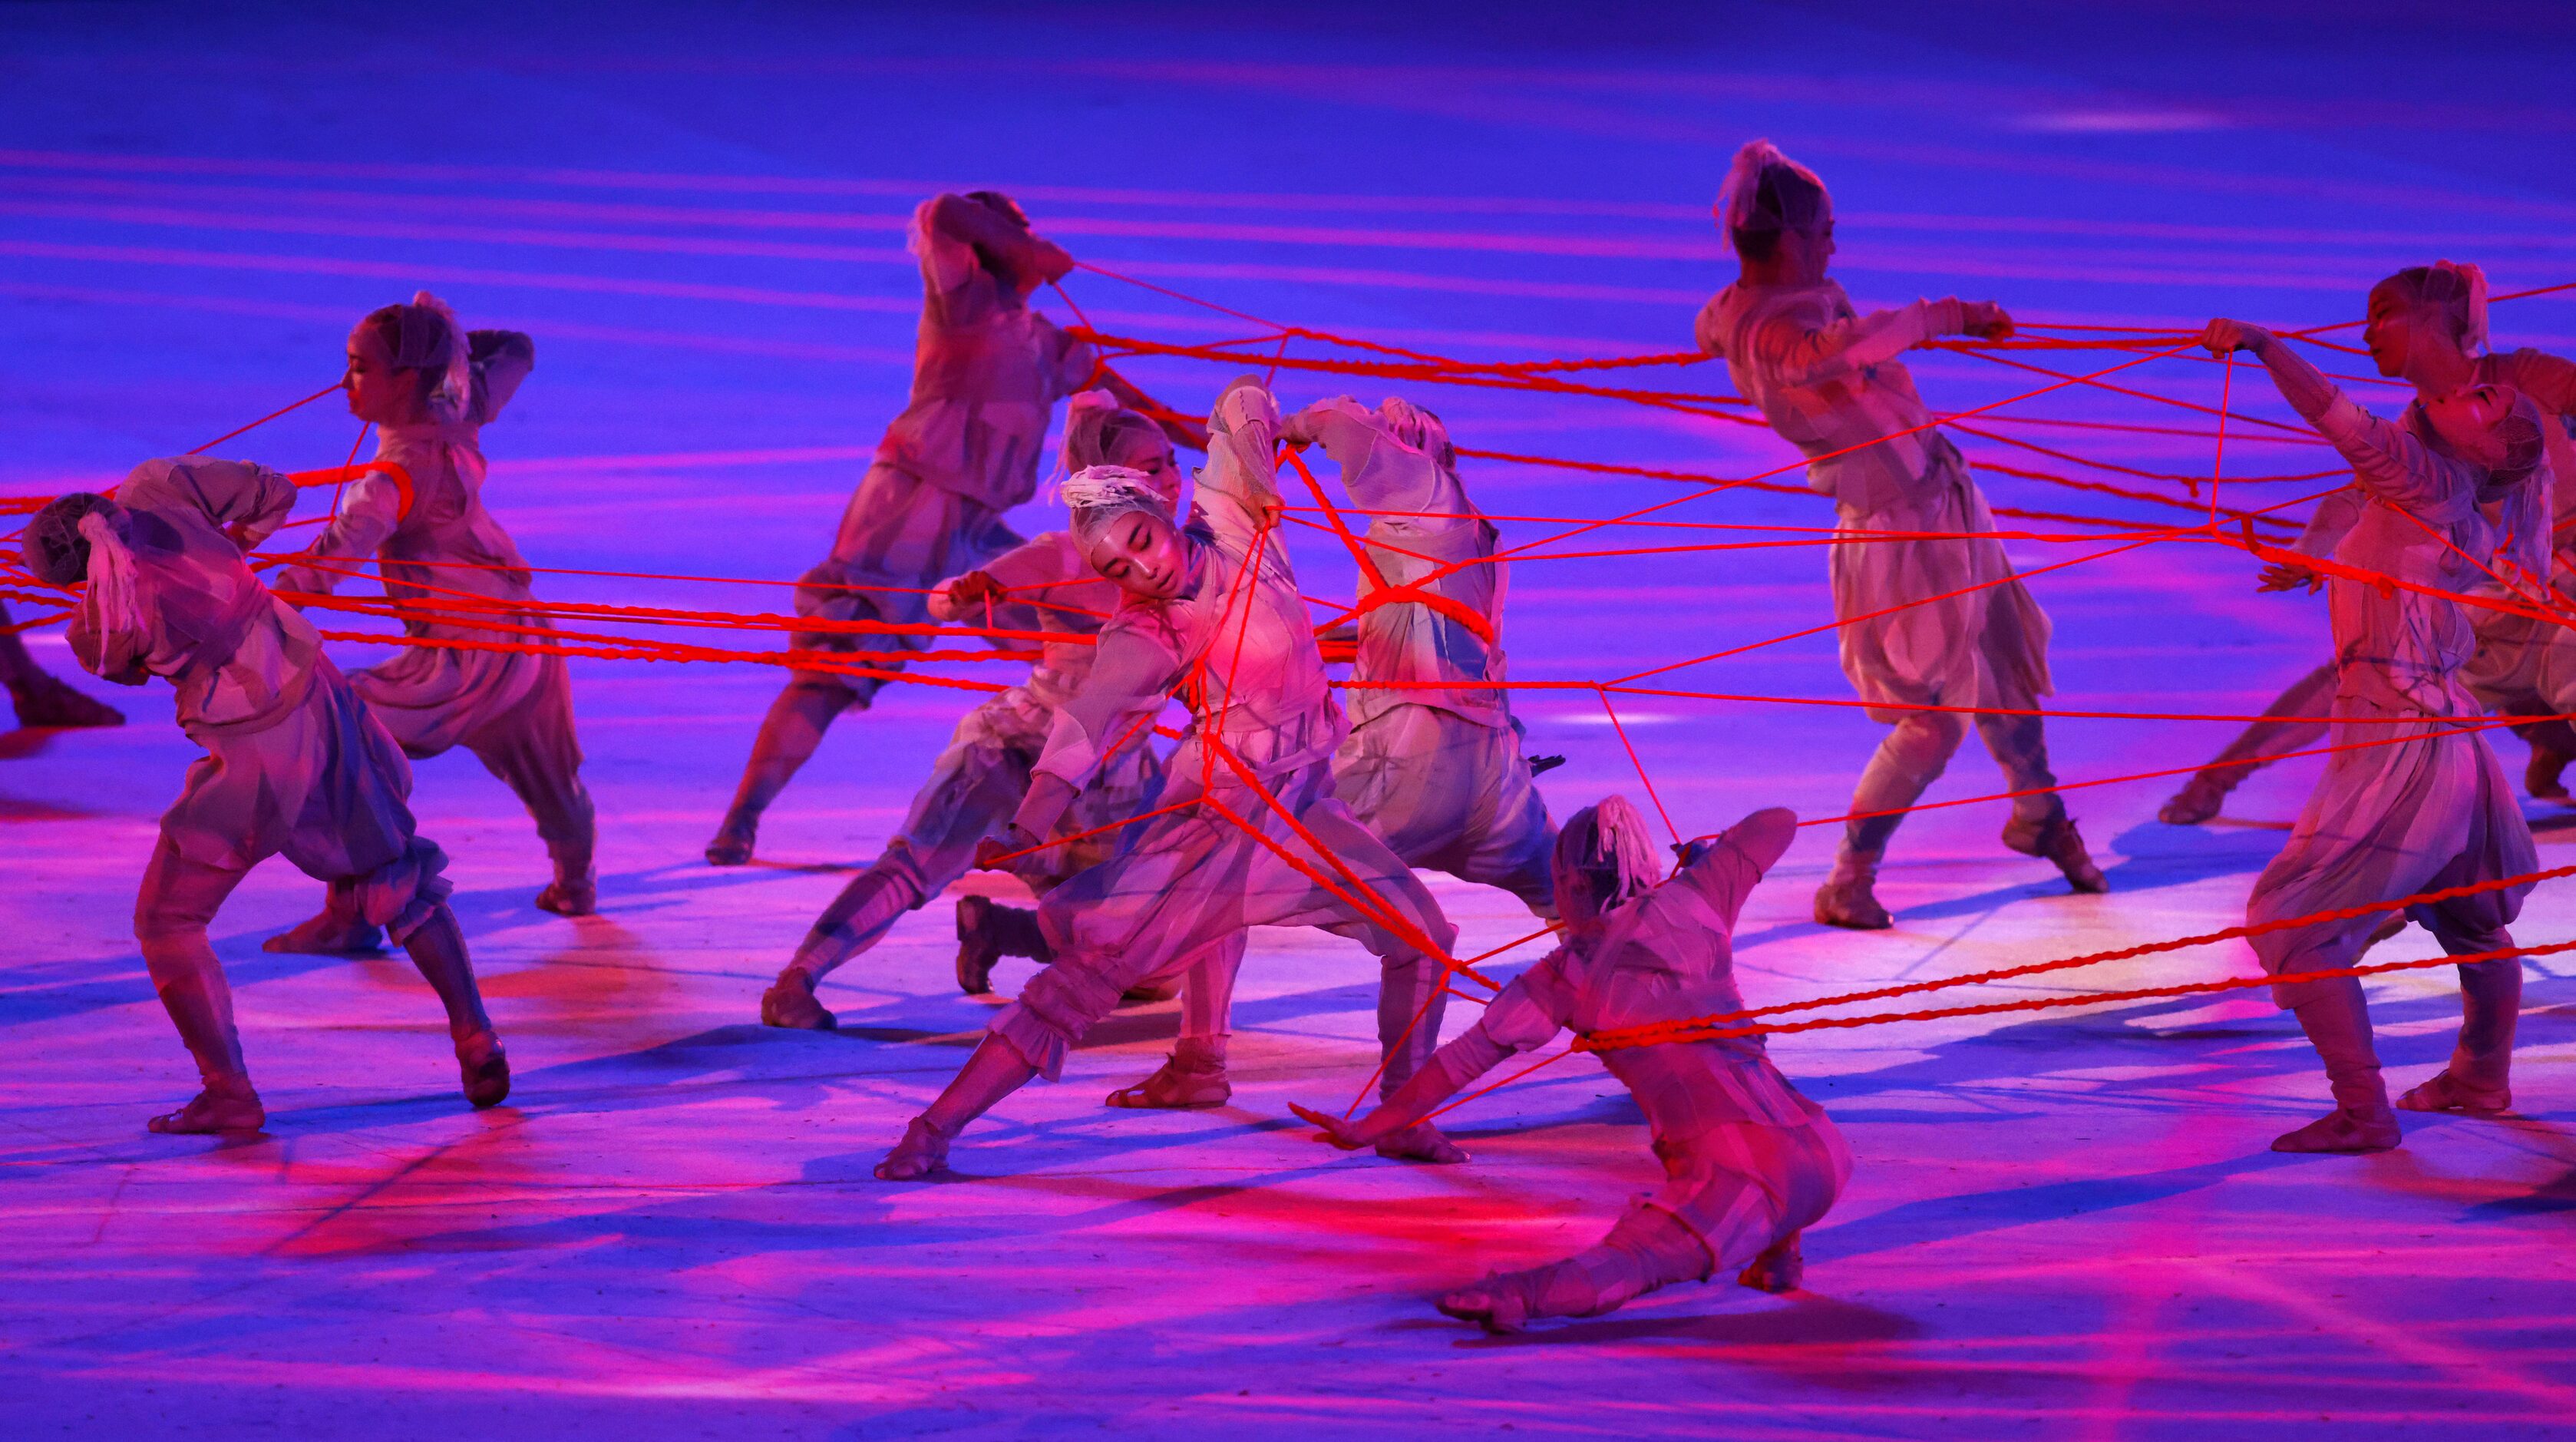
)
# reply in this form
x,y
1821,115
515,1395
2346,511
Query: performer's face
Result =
x,y
2467,418
376,390
2400,329
1141,554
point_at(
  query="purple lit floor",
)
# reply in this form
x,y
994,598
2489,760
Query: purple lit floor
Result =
x,y
2061,1226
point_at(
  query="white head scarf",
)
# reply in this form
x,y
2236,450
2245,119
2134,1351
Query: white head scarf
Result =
x,y
1097,495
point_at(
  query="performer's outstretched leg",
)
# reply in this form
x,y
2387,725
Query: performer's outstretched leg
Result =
x,y
2310,695
788,735
995,1071
1912,757
2039,825
865,911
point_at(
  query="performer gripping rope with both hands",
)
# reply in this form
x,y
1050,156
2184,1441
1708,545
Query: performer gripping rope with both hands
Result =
x,y
1931,613
294,761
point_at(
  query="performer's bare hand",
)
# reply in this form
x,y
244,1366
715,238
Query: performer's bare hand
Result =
x,y
2225,337
2286,577
974,588
996,853
1339,1131
1986,320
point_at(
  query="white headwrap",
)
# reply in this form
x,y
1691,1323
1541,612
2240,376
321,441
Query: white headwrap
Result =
x,y
1739,198
1097,495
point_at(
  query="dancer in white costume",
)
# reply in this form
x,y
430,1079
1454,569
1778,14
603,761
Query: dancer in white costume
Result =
x,y
430,386
1433,763
980,781
1255,837
1749,1162
986,374
2428,326
1932,614
295,763
2459,490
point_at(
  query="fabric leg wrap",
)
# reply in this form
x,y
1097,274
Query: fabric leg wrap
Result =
x,y
864,912
2019,745
2337,1020
1914,753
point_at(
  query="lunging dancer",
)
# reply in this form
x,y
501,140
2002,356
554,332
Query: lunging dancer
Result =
x,y
986,374
2457,492
1257,838
1931,612
1749,1162
430,386
294,763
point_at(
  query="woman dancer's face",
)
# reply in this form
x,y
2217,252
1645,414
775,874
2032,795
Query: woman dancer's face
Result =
x,y
376,391
2466,420
1142,554
2400,332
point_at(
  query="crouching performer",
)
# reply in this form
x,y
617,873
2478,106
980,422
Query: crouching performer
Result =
x,y
1254,838
1749,1162
2457,493
981,780
294,761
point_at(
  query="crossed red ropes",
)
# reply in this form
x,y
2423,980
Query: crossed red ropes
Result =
x,y
2255,526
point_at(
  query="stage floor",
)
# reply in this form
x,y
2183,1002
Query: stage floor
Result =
x,y
2063,1224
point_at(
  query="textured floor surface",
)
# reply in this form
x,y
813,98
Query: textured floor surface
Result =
x,y
2061,1225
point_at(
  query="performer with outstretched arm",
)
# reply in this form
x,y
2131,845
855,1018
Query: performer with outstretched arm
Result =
x,y
294,763
986,374
1749,1162
2428,327
2458,492
1254,838
1931,612
430,386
